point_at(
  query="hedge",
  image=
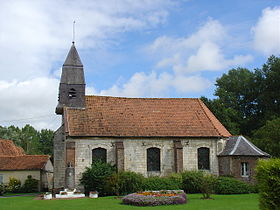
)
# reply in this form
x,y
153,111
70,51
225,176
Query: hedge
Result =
x,y
268,177
191,181
228,185
173,182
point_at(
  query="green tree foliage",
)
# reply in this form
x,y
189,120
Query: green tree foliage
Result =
x,y
207,185
268,137
46,141
30,184
94,178
247,99
31,140
14,185
191,181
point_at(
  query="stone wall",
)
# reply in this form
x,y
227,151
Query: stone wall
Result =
x,y
225,166
135,154
231,166
236,168
59,158
190,147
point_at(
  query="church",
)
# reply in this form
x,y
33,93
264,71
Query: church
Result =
x,y
151,136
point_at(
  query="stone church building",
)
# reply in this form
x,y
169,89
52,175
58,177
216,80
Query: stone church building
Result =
x,y
152,136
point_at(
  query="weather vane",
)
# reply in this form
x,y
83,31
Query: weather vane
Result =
x,y
73,41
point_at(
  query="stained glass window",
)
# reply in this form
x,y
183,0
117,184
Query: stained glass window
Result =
x,y
153,159
203,158
99,154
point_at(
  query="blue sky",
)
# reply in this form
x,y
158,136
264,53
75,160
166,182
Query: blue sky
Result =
x,y
132,48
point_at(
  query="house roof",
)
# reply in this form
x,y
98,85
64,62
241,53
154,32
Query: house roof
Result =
x,y
142,117
25,162
8,148
240,146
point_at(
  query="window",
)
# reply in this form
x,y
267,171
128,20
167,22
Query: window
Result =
x,y
72,93
1,178
203,158
153,159
99,154
244,169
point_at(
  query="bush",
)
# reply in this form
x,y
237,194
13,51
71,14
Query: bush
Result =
x,y
227,185
30,184
14,185
130,182
207,185
155,198
124,182
2,189
173,182
268,177
94,178
191,181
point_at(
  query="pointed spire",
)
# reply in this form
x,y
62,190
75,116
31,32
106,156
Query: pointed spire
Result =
x,y
73,58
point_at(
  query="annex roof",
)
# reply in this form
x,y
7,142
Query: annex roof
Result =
x,y
142,117
25,162
240,146
8,148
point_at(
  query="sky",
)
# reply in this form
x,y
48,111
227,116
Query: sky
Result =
x,y
130,48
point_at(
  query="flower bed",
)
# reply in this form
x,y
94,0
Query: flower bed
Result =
x,y
156,198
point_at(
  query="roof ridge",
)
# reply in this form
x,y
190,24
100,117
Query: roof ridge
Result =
x,y
252,146
7,140
17,156
236,145
145,98
203,108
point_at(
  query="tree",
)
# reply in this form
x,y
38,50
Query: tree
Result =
x,y
46,141
31,140
268,137
267,80
247,99
226,115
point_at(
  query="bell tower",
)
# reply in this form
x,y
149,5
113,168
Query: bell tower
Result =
x,y
72,82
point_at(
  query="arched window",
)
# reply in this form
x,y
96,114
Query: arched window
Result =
x,y
72,93
153,159
99,154
203,158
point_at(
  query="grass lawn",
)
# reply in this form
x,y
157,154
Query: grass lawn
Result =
x,y
220,202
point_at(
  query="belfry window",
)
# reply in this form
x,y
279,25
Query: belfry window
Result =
x,y
72,93
203,158
99,154
153,159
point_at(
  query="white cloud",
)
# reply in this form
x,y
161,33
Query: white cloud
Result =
x,y
267,32
37,34
29,102
157,85
210,57
201,51
34,34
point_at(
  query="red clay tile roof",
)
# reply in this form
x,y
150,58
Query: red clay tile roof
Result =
x,y
143,117
8,148
25,162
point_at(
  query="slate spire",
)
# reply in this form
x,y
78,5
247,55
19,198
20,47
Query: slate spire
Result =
x,y
72,82
73,58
